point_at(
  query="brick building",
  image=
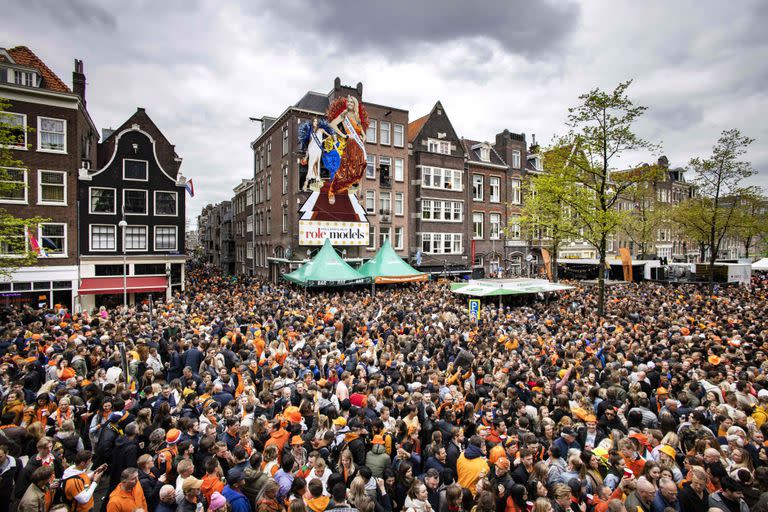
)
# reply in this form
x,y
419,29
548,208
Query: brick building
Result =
x,y
242,203
438,199
132,217
62,141
278,178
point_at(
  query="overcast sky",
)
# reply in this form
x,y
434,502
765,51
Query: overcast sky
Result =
x,y
202,68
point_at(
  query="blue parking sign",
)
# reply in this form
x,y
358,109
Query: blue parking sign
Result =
x,y
474,310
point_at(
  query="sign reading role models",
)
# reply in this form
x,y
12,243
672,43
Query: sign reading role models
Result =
x,y
335,163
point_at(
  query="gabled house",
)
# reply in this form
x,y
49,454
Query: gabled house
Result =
x,y
132,212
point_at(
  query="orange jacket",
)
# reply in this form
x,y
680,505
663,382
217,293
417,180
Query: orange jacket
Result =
x,y
211,484
278,438
124,501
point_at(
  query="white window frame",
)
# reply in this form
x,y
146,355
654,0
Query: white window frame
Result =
x,y
475,235
372,125
388,131
402,135
24,117
385,197
399,204
90,237
40,188
399,171
477,187
439,146
25,235
497,224
370,163
440,172
438,210
285,219
249,224
146,237
437,243
114,201
25,173
399,236
176,238
517,191
372,195
514,227
249,250
285,140
146,168
40,147
285,179
154,203
371,238
382,230
497,197
146,202
516,158
40,238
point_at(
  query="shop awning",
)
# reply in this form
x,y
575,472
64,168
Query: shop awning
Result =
x,y
496,287
133,284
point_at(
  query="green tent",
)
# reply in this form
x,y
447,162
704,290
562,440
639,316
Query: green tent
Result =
x,y
387,267
326,269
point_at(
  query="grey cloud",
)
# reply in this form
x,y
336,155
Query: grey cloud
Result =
x,y
530,29
73,13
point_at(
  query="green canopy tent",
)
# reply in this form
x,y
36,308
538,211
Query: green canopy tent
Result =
x,y
326,269
387,268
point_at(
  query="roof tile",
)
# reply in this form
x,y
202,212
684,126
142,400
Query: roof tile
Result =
x,y
26,57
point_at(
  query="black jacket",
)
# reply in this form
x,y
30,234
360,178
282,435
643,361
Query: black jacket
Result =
x,y
124,456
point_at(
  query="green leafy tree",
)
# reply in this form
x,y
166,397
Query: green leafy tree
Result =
x,y
720,184
751,224
602,131
15,251
547,214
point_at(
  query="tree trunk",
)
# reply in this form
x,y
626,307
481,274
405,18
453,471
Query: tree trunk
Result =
x,y
601,279
554,263
747,246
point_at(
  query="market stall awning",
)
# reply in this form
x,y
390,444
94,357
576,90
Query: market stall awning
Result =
x,y
761,264
496,287
388,268
326,269
133,284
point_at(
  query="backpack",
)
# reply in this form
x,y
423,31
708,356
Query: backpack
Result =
x,y
62,496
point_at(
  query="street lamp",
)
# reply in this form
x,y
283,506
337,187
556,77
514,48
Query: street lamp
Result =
x,y
123,224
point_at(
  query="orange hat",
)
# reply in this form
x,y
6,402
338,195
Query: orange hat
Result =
x,y
640,437
590,418
502,463
173,435
662,391
292,414
297,441
378,440
713,360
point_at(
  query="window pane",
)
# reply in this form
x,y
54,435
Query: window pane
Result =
x,y
102,200
52,134
165,203
12,184
385,132
165,238
135,201
52,238
15,128
135,170
103,238
136,238
399,135
370,168
52,187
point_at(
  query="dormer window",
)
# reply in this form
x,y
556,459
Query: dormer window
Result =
x,y
485,153
536,162
439,146
26,78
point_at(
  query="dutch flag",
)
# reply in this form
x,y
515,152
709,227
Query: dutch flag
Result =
x,y
190,188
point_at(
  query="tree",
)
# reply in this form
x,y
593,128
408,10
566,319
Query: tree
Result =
x,y
601,130
15,251
546,212
690,216
719,180
751,224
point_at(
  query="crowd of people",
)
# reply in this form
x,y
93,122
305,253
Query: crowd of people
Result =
x,y
245,396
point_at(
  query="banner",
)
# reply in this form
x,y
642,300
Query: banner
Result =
x,y
314,232
474,310
547,263
626,263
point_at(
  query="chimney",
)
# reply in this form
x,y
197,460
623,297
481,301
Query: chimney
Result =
x,y
78,80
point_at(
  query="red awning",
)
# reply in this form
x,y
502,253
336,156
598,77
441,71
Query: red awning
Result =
x,y
134,284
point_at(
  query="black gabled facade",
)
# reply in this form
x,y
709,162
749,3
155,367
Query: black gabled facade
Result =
x,y
137,179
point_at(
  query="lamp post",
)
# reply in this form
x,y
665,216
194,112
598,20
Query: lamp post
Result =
x,y
123,224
